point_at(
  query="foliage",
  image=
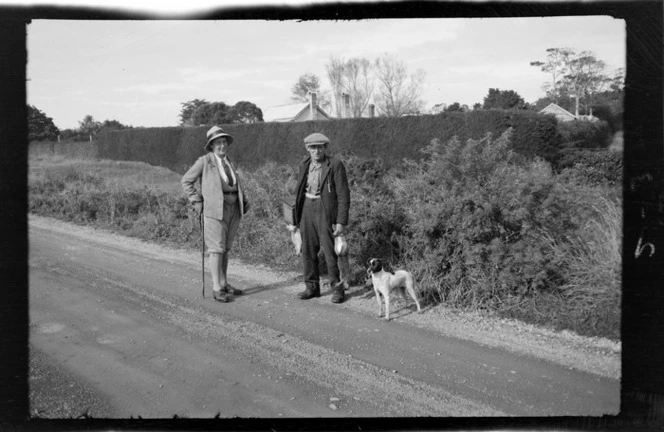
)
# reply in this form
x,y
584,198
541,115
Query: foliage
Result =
x,y
398,91
593,167
455,107
89,126
310,83
213,113
503,99
40,126
353,77
584,134
188,109
390,139
244,112
480,227
577,75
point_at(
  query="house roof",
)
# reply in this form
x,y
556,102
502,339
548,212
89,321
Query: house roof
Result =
x,y
285,113
552,108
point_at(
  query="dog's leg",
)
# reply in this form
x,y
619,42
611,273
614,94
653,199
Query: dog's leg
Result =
x,y
410,287
387,306
380,303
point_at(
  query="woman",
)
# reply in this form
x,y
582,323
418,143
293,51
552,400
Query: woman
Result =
x,y
222,204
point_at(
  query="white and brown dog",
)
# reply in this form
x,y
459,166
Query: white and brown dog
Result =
x,y
385,283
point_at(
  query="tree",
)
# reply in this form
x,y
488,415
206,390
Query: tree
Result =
x,y
188,109
310,83
477,106
210,114
455,107
398,92
580,76
335,70
307,83
353,77
244,112
503,99
40,126
89,126
556,64
112,125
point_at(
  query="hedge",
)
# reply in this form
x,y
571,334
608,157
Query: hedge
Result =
x,y
593,166
390,139
68,149
584,134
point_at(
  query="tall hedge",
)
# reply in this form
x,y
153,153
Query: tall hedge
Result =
x,y
390,139
584,134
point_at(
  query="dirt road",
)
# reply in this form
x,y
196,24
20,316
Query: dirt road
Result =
x,y
118,328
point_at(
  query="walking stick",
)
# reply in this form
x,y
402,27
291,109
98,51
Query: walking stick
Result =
x,y
200,224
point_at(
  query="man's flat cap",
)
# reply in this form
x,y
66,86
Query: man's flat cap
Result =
x,y
316,138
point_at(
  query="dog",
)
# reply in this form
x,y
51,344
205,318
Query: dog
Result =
x,y
386,283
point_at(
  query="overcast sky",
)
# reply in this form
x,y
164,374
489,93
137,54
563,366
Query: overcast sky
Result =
x,y
140,72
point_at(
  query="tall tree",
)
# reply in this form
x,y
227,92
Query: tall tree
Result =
x,y
335,73
455,107
557,65
503,99
307,83
40,126
188,109
398,92
579,75
358,83
89,126
310,83
210,114
244,112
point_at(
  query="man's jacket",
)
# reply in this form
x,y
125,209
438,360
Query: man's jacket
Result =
x,y
211,192
334,190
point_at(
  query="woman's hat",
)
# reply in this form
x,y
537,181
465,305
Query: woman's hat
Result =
x,y
216,132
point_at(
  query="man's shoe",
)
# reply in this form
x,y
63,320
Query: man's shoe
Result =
x,y
338,295
309,293
220,296
232,290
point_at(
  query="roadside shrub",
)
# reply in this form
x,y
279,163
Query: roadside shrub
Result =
x,y
480,226
584,134
593,167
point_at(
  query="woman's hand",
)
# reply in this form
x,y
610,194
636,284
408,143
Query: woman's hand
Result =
x,y
198,208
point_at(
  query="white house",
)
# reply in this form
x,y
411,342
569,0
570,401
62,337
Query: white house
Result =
x,y
296,112
561,113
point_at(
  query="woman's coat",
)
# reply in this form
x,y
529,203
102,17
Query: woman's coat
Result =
x,y
211,193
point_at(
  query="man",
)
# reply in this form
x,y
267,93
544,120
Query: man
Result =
x,y
322,201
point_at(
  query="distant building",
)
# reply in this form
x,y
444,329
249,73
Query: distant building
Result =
x,y
561,113
296,112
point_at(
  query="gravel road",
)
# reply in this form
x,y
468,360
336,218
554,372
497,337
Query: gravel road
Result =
x,y
118,329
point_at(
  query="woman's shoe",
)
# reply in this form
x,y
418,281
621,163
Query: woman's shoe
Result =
x,y
232,290
220,296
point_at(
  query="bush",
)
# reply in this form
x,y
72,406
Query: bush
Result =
x,y
584,134
593,167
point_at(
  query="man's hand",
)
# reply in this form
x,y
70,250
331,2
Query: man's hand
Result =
x,y
198,208
337,229
291,228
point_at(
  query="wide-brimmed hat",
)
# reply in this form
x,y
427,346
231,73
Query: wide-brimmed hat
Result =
x,y
216,132
316,139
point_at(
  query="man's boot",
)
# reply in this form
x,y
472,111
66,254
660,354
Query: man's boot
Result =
x,y
311,291
338,295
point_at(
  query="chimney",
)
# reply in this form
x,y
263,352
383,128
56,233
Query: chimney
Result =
x,y
313,111
346,99
372,110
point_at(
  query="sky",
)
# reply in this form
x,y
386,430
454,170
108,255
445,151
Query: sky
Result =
x,y
141,72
